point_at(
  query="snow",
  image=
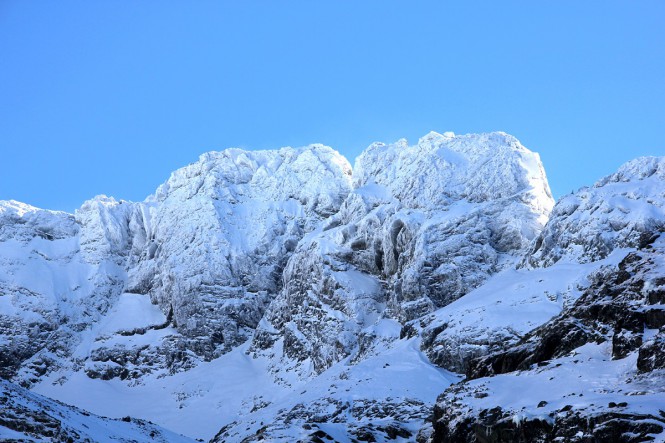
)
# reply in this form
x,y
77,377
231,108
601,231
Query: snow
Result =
x,y
614,213
588,379
401,374
131,311
505,308
287,280
386,328
476,167
199,402
195,403
9,434
41,417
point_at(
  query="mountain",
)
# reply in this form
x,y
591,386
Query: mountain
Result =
x,y
285,296
158,286
423,226
595,371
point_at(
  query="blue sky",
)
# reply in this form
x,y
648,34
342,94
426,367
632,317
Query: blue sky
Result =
x,y
110,97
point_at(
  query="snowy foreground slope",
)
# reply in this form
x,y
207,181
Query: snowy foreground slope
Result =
x,y
282,296
27,416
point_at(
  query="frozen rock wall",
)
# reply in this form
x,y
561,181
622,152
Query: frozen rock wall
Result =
x,y
423,226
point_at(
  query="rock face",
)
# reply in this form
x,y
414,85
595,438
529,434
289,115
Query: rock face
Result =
x,y
423,226
207,249
595,371
622,210
497,425
221,231
60,274
616,308
502,311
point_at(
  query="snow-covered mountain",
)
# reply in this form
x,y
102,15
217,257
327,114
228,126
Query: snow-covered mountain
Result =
x,y
595,371
423,225
284,296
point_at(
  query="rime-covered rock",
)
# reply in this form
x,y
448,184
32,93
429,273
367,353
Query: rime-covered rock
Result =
x,y
59,274
221,230
208,249
622,210
424,225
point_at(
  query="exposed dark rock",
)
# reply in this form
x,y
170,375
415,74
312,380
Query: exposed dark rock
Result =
x,y
651,354
611,309
568,424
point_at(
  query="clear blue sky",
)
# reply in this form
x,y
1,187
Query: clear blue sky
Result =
x,y
111,96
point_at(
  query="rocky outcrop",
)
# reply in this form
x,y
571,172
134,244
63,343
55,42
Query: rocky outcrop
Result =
x,y
80,261
460,205
497,425
613,309
423,226
498,314
593,372
329,419
221,231
622,210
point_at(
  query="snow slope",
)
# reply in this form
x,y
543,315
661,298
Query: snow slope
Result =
x,y
504,309
27,416
388,396
241,394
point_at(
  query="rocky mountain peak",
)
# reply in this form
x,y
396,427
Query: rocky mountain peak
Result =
x,y
637,169
315,175
423,225
622,210
442,169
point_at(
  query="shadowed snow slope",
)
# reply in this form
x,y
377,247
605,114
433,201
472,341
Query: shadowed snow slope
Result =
x,y
27,416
